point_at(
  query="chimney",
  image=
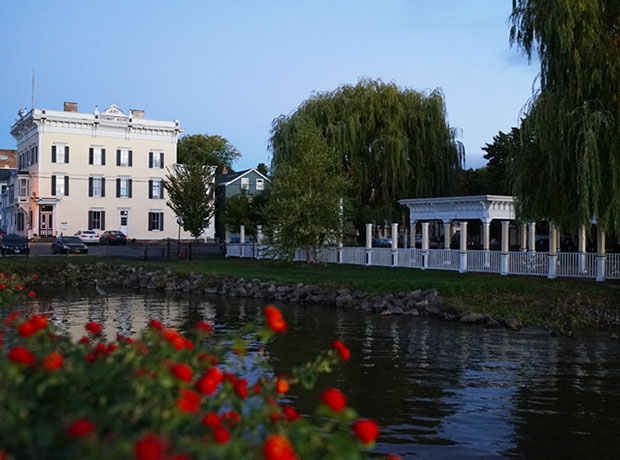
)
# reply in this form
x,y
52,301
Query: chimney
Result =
x,y
137,114
225,170
70,106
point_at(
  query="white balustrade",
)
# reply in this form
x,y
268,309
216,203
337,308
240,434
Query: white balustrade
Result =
x,y
382,257
576,265
354,255
528,263
441,259
612,266
483,261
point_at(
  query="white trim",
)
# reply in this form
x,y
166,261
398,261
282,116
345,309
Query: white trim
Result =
x,y
225,184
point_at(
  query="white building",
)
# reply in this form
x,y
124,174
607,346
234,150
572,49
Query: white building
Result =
x,y
98,171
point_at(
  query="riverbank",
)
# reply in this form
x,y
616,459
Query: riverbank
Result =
x,y
561,305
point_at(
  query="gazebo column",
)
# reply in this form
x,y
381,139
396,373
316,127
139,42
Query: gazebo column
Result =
x,y
463,250
368,250
486,242
425,245
504,257
582,249
531,244
523,237
242,234
394,245
447,234
553,251
412,226
600,255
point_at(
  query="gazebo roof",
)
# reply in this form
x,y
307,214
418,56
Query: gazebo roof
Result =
x,y
447,208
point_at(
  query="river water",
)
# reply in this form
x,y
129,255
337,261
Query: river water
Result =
x,y
437,389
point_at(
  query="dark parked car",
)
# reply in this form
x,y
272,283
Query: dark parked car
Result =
x,y
381,243
69,245
113,237
14,244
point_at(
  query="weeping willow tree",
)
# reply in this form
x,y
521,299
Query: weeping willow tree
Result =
x,y
568,169
391,143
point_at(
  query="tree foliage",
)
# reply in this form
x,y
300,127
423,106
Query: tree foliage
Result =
x,y
263,169
390,142
189,190
247,210
568,167
304,209
207,150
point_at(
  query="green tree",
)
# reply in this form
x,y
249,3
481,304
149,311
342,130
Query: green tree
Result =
x,y
207,150
263,169
247,210
304,209
500,156
568,166
190,188
390,142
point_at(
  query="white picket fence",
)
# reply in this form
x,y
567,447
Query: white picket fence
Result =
x,y
573,265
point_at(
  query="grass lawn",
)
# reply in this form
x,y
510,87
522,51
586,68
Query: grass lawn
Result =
x,y
534,300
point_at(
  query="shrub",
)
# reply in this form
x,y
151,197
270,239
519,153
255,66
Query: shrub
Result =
x,y
165,396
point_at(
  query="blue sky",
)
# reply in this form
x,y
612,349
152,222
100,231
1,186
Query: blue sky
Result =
x,y
231,67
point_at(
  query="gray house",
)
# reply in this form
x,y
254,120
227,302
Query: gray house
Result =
x,y
231,184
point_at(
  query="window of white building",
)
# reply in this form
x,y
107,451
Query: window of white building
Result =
x,y
260,184
156,221
245,183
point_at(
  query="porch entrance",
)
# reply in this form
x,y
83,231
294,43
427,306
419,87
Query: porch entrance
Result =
x,y
46,221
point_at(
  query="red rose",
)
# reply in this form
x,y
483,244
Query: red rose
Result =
x,y
231,418
274,319
241,388
21,354
182,372
345,354
150,447
221,434
93,327
53,361
282,386
278,447
81,427
27,329
291,414
9,319
155,324
189,401
85,340
366,430
181,457
211,419
209,382
334,399
203,325
32,294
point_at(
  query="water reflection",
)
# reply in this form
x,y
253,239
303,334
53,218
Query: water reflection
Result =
x,y
438,390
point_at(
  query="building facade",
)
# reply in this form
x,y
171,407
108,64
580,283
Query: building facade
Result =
x,y
96,171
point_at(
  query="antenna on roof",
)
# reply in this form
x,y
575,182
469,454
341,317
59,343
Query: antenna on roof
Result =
x,y
32,99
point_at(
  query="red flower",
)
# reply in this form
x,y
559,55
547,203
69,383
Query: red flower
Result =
x,y
278,447
393,457
345,354
230,378
35,276
93,327
366,430
221,434
231,418
274,319
291,414
21,354
9,319
181,457
112,347
189,401
85,340
53,361
81,427
203,325
150,447
209,382
182,372
334,399
282,386
155,324
256,388
211,419
27,329
241,388
32,294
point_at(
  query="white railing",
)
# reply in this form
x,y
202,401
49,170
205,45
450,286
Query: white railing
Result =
x,y
410,258
483,261
442,259
612,266
575,265
353,255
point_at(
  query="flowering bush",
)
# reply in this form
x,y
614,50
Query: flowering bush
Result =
x,y
165,396
12,289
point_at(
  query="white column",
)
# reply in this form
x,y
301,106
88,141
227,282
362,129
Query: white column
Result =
x,y
463,250
425,245
553,250
582,249
600,255
504,256
227,236
368,244
523,237
405,239
412,234
447,234
394,245
486,242
242,234
531,245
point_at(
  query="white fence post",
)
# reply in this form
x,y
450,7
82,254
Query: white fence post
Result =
x,y
504,258
368,244
463,250
425,253
600,255
553,247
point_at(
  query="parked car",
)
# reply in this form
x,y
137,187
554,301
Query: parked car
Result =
x,y
2,232
14,244
88,236
381,243
69,245
113,237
